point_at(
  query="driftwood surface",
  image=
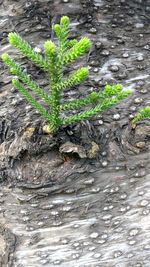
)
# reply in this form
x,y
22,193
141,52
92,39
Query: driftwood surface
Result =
x,y
82,197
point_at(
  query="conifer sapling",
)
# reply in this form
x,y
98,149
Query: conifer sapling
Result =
x,y
143,114
54,62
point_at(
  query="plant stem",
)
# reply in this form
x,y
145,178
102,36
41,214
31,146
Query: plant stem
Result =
x,y
55,103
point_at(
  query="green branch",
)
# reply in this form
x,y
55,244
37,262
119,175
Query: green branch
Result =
x,y
27,50
143,114
72,42
106,104
30,99
18,71
78,50
79,103
62,32
74,79
92,98
51,55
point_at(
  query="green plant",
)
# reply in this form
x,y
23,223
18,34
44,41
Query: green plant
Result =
x,y
54,62
143,114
